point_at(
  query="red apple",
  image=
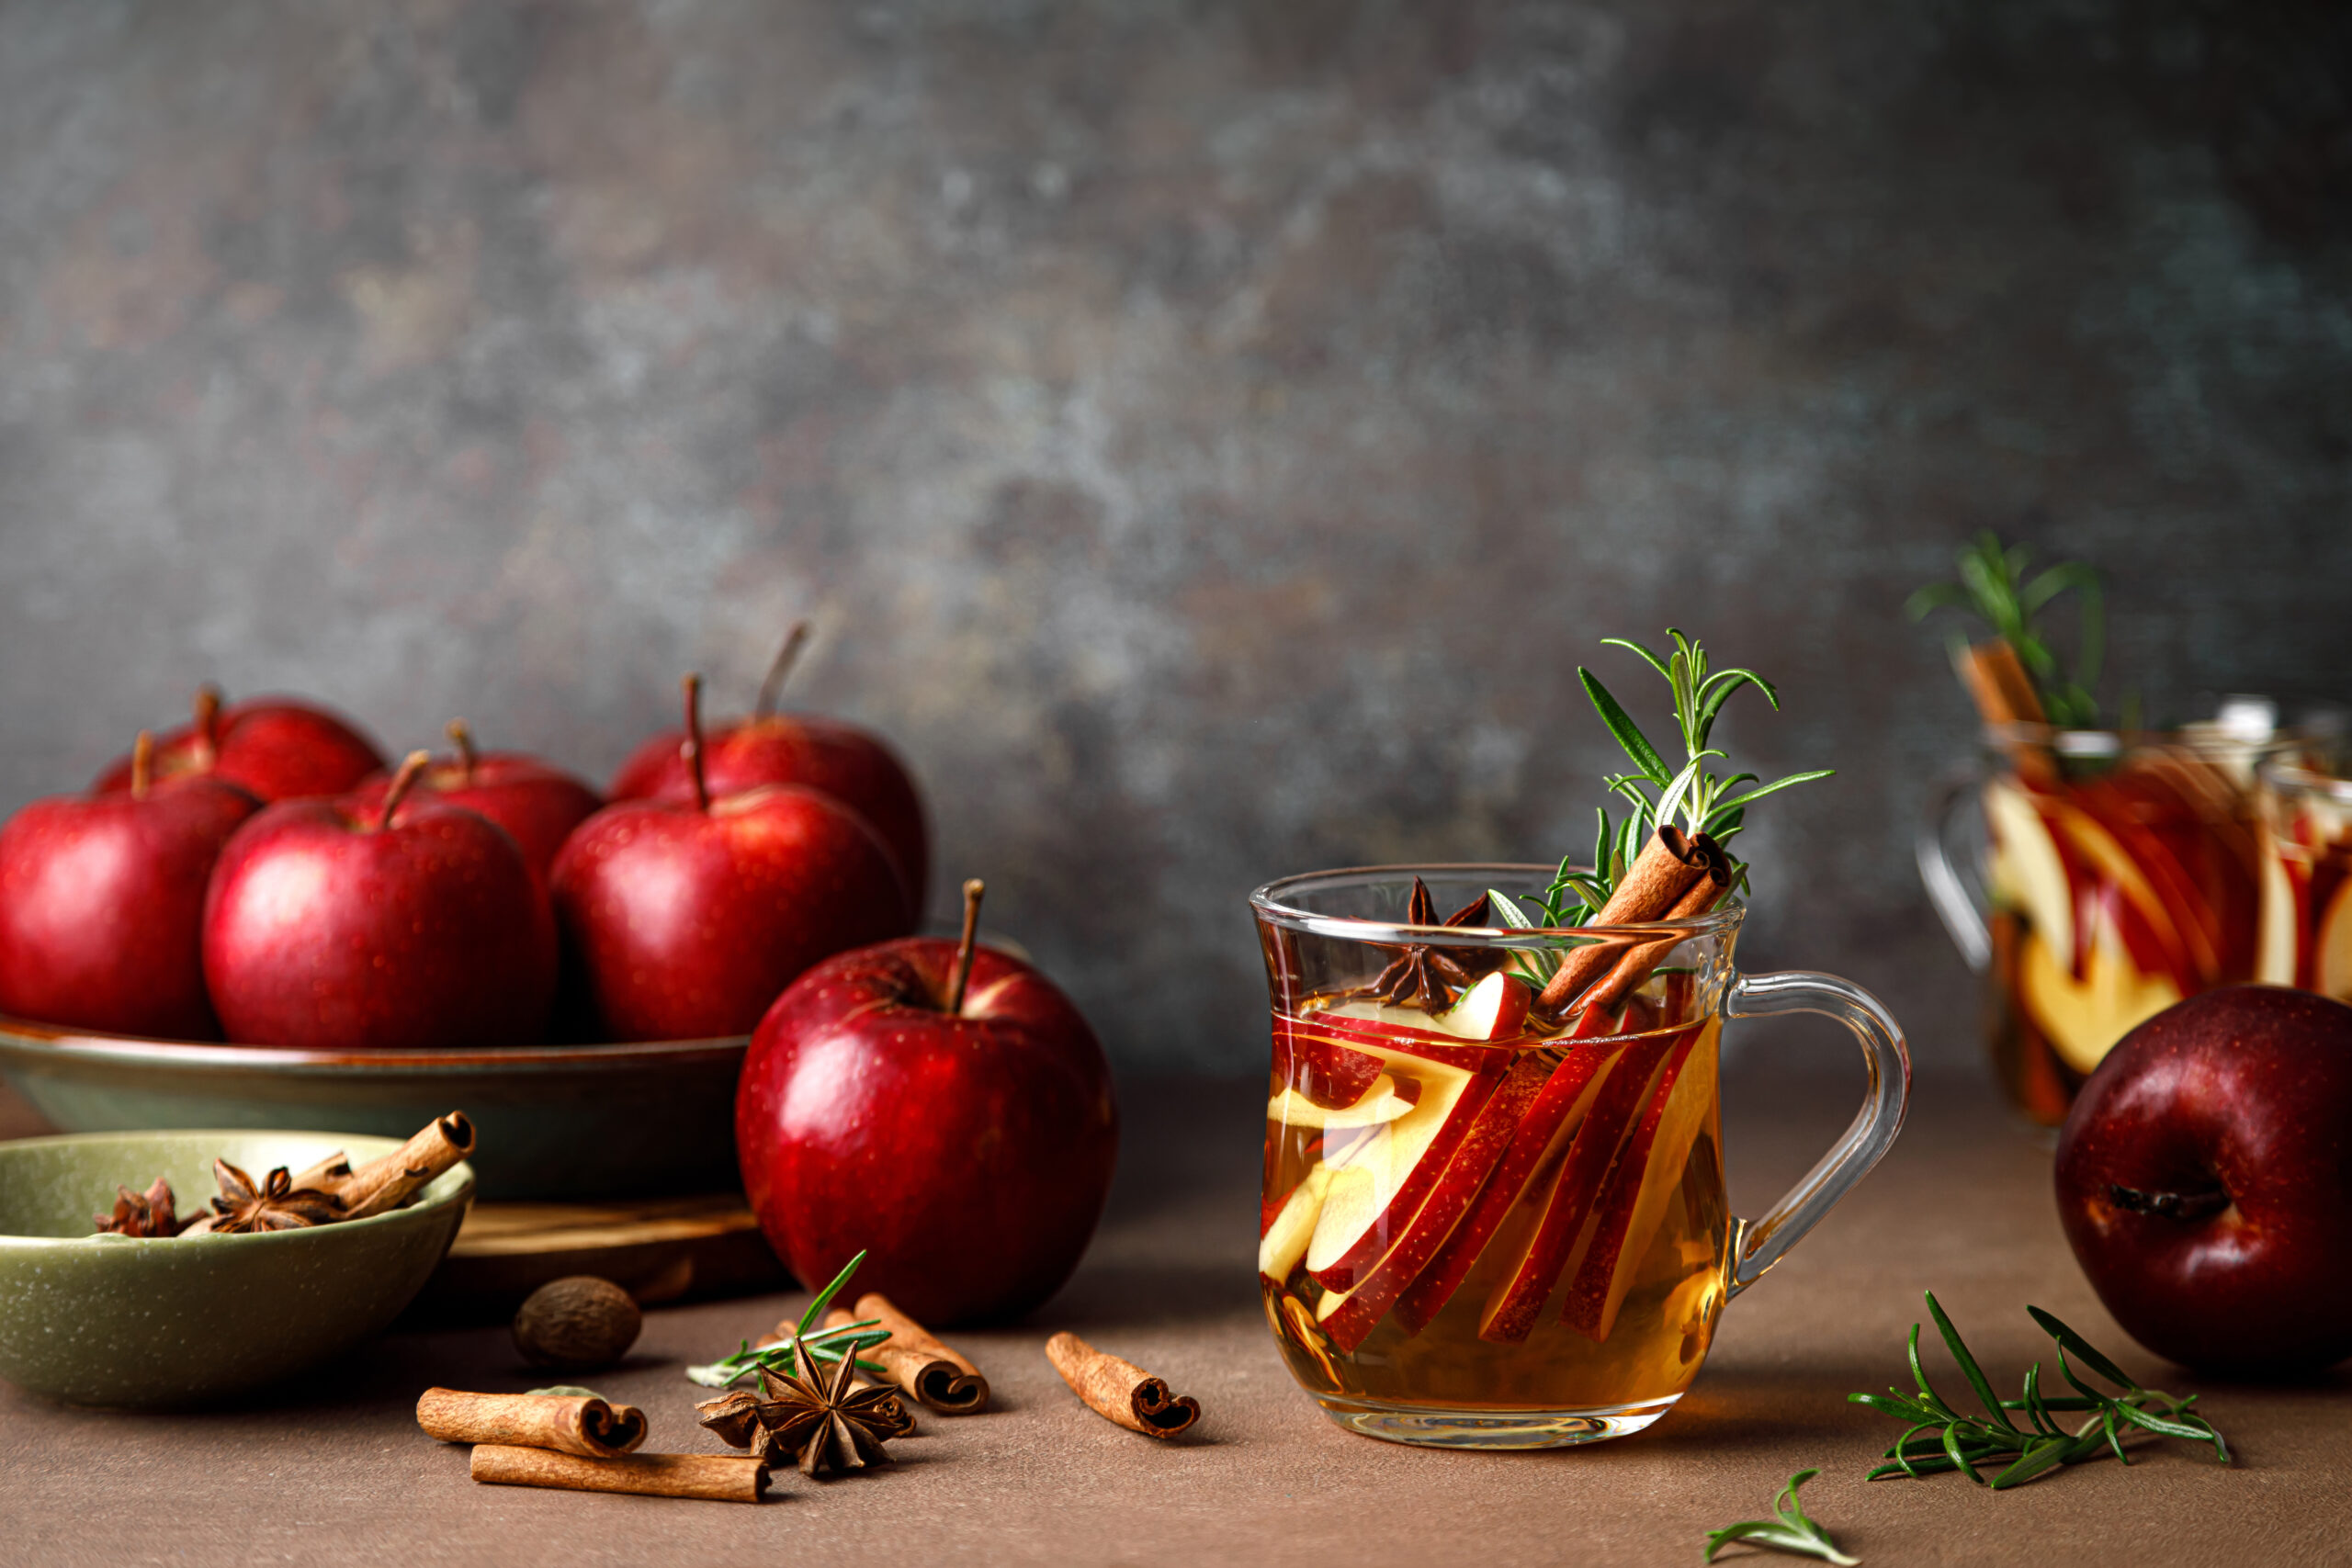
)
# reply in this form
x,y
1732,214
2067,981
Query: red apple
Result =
x,y
102,903
277,748
939,1106
2205,1181
853,765
534,801
685,919
411,924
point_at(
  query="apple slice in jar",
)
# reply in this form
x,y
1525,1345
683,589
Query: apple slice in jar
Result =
x,y
1649,1175
1319,1067
2028,873
1389,1175
1552,1248
2278,942
1284,1239
2333,962
1387,1098
1494,1007
2084,1019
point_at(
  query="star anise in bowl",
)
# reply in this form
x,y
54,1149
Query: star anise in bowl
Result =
x,y
149,1213
274,1203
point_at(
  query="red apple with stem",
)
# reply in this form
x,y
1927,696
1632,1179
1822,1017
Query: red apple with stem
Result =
x,y
534,801
391,927
685,918
939,1106
102,902
2204,1179
853,765
277,748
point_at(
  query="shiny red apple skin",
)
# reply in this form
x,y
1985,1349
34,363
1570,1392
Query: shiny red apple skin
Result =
x,y
102,907
2244,1091
537,803
684,923
278,748
967,1157
853,765
324,931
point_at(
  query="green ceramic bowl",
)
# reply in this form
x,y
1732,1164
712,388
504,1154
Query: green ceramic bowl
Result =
x,y
165,1323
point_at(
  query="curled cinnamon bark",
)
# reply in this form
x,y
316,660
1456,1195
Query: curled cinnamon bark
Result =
x,y
1664,870
386,1183
1704,891
1120,1391
570,1424
717,1478
918,1364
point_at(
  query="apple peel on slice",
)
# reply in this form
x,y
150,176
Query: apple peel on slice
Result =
x,y
1646,1176
2084,1019
1391,1172
1284,1241
1388,1098
1319,1067
2027,871
2333,959
1493,1009
1552,1248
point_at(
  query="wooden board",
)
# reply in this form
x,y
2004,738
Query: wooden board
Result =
x,y
659,1250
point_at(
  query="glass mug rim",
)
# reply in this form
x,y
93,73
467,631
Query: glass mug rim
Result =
x,y
2091,745
1267,901
2299,779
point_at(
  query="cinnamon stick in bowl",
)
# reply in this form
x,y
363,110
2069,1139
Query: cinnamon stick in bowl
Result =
x,y
386,1183
916,1362
571,1423
716,1478
1120,1391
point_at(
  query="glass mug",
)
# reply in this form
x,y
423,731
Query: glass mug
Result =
x,y
2306,854
2113,875
1480,1230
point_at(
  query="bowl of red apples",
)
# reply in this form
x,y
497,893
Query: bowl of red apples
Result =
x,y
258,920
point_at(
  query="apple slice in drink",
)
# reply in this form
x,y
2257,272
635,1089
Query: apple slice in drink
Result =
x,y
1493,1009
2333,962
1391,1173
1512,1312
2028,873
1284,1240
1349,1317
1536,1146
1388,1097
1320,1068
2102,854
2083,1019
2281,928
1647,1174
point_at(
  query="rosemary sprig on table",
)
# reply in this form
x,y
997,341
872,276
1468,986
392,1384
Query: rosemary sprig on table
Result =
x,y
1787,1530
1654,791
1993,586
1941,1439
826,1346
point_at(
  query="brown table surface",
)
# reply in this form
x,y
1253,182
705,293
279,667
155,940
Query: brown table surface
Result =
x,y
333,1469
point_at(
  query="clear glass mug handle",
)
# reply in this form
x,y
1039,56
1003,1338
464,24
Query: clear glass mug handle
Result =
x,y
1958,898
1756,1245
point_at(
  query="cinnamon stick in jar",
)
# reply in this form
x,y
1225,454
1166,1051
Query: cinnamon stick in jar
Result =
x,y
716,1478
385,1184
571,1424
1659,875
1120,1391
921,1366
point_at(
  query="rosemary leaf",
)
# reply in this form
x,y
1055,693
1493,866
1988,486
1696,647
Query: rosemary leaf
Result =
x,y
1787,1530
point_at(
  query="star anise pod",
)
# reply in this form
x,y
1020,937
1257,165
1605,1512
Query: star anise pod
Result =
x,y
822,1421
276,1204
1421,973
152,1213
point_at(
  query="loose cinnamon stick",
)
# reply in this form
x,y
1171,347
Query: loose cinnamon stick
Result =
x,y
1660,874
717,1478
1997,684
1120,1391
575,1425
386,1183
918,1364
1698,898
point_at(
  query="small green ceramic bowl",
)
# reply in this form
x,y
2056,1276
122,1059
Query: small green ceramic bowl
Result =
x,y
168,1322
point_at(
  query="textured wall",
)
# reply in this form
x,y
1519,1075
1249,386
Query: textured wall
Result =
x,y
1208,435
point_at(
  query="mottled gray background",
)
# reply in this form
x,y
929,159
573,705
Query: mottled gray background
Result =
x,y
1208,435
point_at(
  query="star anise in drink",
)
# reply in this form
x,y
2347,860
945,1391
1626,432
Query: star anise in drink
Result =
x,y
274,1203
1421,973
152,1213
810,1416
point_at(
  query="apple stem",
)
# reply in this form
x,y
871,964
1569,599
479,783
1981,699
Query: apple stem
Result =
x,y
208,723
143,764
412,767
973,890
691,747
463,739
2187,1207
786,657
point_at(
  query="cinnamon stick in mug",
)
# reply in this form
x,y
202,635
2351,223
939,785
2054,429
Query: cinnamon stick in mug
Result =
x,y
716,1478
573,1423
916,1362
1659,875
386,1183
1702,895
1120,1391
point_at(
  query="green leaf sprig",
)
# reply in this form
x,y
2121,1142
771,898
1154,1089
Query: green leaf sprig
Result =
x,y
1992,585
825,1346
1941,1439
1787,1530
1654,791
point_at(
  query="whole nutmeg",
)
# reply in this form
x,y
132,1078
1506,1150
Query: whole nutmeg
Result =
x,y
576,1323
